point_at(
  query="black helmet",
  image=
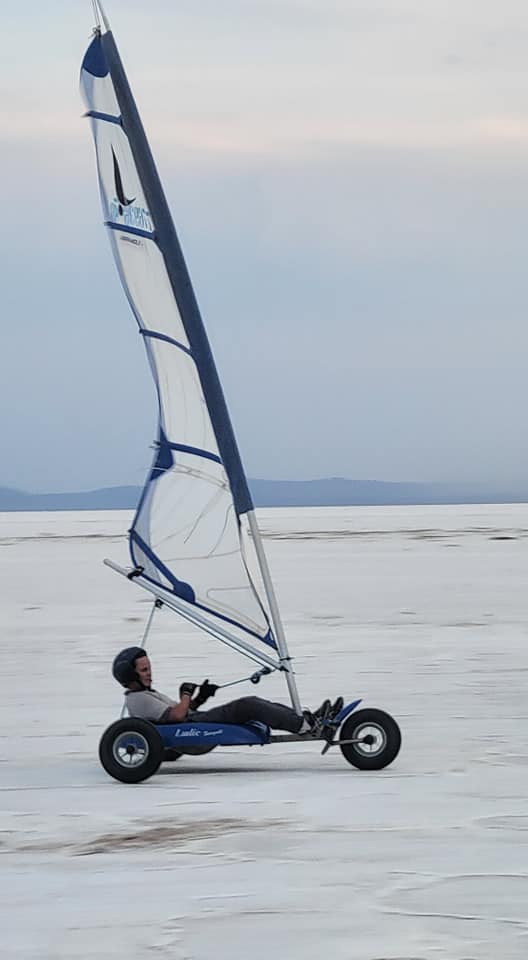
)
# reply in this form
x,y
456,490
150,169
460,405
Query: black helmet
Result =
x,y
124,665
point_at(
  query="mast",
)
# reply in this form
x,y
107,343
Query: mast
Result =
x,y
276,620
99,12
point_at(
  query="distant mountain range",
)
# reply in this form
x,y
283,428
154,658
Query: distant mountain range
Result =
x,y
328,492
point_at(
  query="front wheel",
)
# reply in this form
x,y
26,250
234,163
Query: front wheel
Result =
x,y
376,739
131,750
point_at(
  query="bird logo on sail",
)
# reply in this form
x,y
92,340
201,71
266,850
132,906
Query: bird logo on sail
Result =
x,y
120,193
124,210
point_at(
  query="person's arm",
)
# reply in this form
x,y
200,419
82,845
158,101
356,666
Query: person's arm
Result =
x,y
179,711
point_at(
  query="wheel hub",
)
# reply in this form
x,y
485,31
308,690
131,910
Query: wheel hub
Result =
x,y
130,749
371,739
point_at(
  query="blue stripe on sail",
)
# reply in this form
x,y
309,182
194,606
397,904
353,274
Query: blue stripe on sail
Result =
x,y
154,335
134,230
164,460
185,591
196,451
95,61
108,117
180,588
268,638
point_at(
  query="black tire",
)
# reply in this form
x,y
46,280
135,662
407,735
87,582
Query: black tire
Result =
x,y
383,743
131,750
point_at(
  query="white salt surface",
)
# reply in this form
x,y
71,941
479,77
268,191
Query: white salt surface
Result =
x,y
274,851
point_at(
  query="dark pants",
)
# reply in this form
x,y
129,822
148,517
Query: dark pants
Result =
x,y
276,715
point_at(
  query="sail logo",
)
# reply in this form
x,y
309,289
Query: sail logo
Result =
x,y
123,202
136,217
124,209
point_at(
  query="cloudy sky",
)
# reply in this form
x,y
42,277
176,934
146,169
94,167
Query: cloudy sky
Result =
x,y
349,180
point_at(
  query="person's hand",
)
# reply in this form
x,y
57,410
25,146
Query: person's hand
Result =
x,y
187,689
207,689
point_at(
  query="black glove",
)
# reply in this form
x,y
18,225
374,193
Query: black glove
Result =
x,y
188,688
206,690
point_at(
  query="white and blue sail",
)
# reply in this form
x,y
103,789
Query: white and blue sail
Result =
x,y
188,540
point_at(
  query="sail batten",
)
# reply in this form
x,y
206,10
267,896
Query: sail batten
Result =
x,y
105,117
188,535
156,335
135,231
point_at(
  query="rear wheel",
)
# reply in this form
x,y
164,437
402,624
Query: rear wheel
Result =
x,y
376,736
131,750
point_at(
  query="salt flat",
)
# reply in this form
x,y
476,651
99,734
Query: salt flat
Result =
x,y
274,851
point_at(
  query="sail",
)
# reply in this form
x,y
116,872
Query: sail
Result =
x,y
188,536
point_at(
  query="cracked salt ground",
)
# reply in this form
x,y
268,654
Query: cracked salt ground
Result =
x,y
274,850
471,897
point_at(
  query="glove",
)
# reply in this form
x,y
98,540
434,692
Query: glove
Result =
x,y
206,690
188,688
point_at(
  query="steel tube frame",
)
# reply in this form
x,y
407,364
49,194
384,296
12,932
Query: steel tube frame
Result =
x,y
305,738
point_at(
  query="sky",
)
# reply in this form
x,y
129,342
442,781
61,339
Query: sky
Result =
x,y
349,182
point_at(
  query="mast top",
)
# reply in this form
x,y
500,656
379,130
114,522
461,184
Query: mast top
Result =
x,y
100,14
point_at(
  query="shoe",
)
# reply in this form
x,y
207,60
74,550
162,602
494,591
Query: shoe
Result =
x,y
336,708
323,711
315,720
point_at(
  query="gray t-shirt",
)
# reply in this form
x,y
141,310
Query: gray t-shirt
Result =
x,y
148,704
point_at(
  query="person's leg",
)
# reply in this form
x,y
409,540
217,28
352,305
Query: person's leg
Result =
x,y
275,715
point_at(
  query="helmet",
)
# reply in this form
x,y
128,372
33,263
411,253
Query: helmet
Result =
x,y
124,665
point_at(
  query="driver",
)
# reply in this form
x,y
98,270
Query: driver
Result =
x,y
132,669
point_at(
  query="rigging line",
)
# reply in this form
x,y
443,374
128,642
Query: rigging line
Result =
x,y
255,678
96,16
157,603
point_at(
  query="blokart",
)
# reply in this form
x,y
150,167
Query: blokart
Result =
x,y
195,544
